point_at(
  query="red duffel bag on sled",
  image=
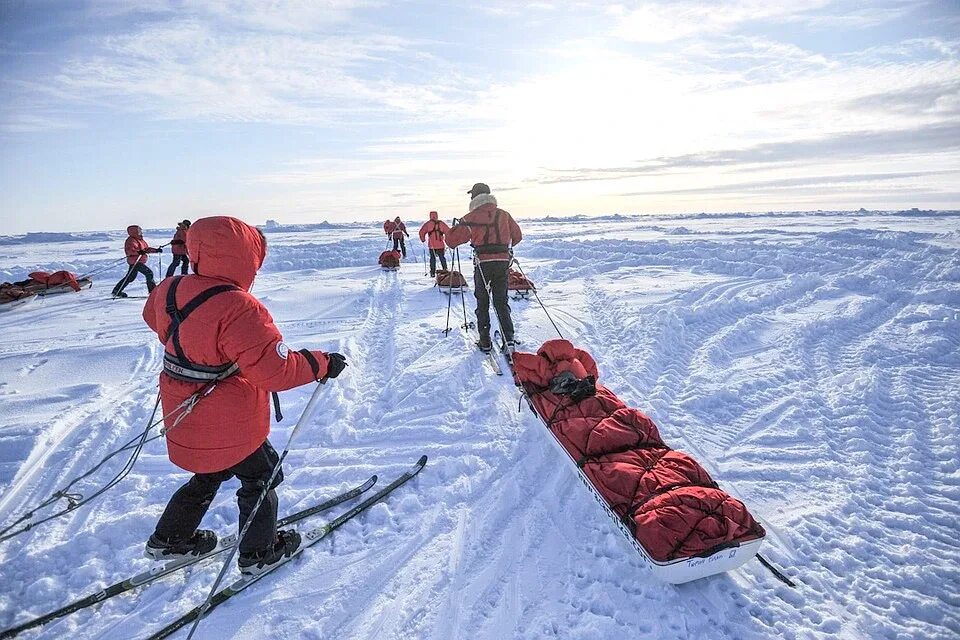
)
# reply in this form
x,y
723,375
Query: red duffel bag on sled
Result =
x,y
662,500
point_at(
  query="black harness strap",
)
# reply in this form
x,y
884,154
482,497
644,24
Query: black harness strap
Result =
x,y
177,315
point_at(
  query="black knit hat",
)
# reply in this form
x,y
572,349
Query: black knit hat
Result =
x,y
478,189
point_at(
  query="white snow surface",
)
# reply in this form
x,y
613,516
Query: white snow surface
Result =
x,y
811,362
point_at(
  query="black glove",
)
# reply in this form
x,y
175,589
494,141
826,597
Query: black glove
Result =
x,y
335,364
160,250
141,252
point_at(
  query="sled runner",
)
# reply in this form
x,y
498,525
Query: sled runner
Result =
x,y
451,281
666,504
390,260
518,285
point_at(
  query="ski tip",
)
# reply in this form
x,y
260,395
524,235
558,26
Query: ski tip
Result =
x,y
369,483
422,462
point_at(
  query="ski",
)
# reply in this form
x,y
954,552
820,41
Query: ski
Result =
x,y
161,570
310,538
507,355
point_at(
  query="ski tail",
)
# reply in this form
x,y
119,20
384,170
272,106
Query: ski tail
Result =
x,y
160,571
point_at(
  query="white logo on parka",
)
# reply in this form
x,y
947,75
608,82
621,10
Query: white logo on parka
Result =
x,y
283,350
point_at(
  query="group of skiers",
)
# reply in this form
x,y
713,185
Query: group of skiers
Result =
x,y
136,249
215,331
492,232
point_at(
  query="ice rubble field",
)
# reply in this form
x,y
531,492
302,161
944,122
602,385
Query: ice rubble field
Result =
x,y
810,361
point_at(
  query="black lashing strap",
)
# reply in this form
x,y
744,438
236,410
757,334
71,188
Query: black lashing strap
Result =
x,y
181,367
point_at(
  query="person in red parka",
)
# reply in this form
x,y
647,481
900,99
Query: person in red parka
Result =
x,y
136,250
178,247
213,328
492,232
432,232
396,229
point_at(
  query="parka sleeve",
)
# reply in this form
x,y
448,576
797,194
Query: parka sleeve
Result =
x,y
252,340
515,234
457,235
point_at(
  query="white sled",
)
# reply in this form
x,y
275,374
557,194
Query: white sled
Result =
x,y
520,294
13,304
453,290
675,571
85,283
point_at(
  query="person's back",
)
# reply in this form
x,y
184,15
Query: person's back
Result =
x,y
492,232
433,232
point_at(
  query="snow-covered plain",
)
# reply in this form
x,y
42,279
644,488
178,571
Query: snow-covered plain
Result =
x,y
810,361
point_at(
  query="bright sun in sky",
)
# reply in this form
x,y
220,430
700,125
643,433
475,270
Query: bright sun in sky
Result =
x,y
116,112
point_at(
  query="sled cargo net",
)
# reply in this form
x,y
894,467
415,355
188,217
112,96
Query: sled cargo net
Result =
x,y
663,500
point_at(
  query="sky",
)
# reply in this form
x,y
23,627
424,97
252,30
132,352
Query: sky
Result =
x,y
115,112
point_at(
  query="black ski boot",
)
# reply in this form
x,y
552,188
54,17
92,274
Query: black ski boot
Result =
x,y
257,562
202,541
484,344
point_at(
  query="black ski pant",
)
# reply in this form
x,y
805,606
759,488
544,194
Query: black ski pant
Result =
x,y
191,501
180,259
494,274
399,242
434,254
132,275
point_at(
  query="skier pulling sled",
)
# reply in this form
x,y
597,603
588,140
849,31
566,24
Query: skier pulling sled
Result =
x,y
519,284
492,232
666,504
389,260
451,282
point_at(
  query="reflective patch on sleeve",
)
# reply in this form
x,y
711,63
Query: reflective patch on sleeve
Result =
x,y
283,350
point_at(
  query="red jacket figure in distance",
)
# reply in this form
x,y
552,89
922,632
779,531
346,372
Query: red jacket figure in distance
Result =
x,y
492,232
136,250
178,247
432,232
396,229
226,433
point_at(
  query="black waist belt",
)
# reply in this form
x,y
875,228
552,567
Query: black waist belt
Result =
x,y
192,372
491,248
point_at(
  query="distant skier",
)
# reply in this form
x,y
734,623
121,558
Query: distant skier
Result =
x,y
212,326
136,249
395,229
178,247
492,233
435,229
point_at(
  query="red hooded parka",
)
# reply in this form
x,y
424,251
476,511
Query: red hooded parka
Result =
x,y
435,229
233,421
134,244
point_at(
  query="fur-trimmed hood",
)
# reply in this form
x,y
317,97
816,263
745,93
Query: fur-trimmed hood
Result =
x,y
482,199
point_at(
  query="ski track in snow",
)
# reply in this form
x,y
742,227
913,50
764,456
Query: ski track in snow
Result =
x,y
810,362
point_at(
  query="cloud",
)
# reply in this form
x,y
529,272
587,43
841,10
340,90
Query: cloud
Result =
x,y
802,183
667,21
859,146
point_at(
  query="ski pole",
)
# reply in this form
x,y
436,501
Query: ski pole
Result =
x,y
124,282
463,296
537,296
424,255
304,418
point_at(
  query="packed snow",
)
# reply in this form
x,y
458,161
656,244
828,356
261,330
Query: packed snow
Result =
x,y
811,362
